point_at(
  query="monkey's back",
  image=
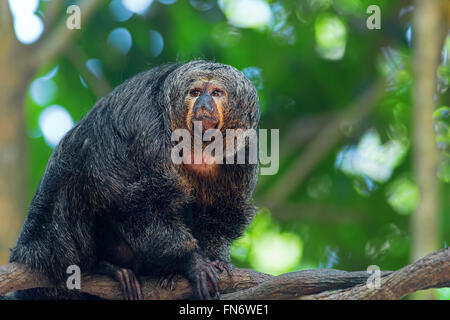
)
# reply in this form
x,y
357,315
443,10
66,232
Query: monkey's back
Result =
x,y
90,174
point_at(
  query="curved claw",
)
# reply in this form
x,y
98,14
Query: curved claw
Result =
x,y
222,266
169,281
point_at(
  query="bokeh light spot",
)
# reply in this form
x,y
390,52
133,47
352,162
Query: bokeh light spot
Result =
x,y
156,43
51,73
370,158
43,91
120,39
95,66
403,196
28,28
23,7
83,82
331,36
119,11
274,253
254,75
247,13
137,6
279,26
54,122
202,5
441,121
167,2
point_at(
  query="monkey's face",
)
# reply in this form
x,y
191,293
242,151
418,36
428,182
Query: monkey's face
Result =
x,y
213,95
205,103
217,95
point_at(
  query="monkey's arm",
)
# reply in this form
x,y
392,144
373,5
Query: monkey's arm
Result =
x,y
230,214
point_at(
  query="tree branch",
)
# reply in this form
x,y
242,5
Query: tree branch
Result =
x,y
6,20
433,271
54,43
321,146
52,11
78,58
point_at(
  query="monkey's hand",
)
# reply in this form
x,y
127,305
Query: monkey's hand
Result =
x,y
221,266
201,272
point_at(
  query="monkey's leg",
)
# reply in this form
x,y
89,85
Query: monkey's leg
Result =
x,y
131,288
163,241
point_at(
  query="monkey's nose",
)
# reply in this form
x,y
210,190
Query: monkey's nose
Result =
x,y
204,102
205,106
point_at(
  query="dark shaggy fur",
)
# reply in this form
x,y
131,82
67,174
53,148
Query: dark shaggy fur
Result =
x,y
111,193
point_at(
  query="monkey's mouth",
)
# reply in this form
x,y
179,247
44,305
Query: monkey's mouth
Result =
x,y
208,123
208,120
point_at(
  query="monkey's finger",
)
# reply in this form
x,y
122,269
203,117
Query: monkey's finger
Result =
x,y
133,285
197,289
139,289
204,284
136,287
212,275
121,280
229,268
215,263
128,285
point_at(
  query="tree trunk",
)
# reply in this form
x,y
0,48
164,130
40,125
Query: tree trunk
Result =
x,y
16,76
12,143
429,26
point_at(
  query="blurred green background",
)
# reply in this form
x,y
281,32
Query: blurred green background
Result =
x,y
340,94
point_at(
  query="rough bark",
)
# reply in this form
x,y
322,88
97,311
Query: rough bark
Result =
x,y
433,271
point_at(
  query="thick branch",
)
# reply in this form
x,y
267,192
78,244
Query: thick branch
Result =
x,y
433,271
296,284
14,276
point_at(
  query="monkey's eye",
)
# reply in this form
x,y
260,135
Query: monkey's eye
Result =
x,y
194,92
217,93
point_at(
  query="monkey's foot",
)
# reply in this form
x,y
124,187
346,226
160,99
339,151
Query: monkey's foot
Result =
x,y
169,281
222,266
131,288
